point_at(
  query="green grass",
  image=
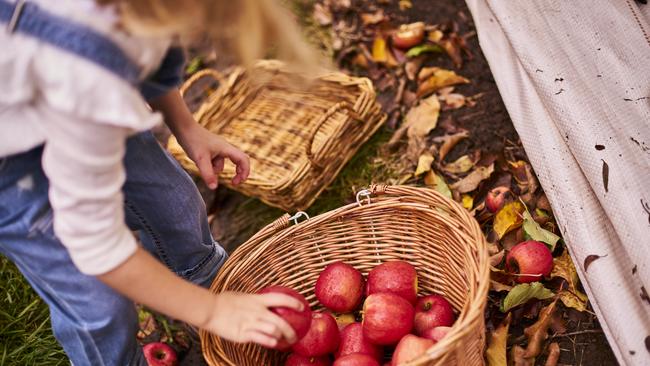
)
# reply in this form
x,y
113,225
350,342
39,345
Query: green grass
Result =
x,y
25,332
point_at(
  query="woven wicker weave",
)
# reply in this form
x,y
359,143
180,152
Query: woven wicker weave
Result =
x,y
438,236
298,134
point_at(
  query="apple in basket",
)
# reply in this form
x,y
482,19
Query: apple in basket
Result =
x,y
386,318
397,277
409,348
159,354
432,311
353,341
356,359
340,287
298,320
298,360
437,333
322,337
343,320
531,259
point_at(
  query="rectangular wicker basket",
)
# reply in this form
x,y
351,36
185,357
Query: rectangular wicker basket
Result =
x,y
298,134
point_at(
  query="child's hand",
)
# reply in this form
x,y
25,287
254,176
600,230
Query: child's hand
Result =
x,y
240,317
208,151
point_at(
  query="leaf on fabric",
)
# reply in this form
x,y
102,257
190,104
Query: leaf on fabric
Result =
x,y
460,166
471,181
538,332
524,292
435,78
423,48
467,201
449,141
572,297
508,218
605,176
497,344
590,259
322,14
438,183
536,232
424,164
379,50
423,118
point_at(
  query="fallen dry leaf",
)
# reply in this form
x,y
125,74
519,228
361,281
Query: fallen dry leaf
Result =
x,y
467,201
518,358
572,297
435,36
497,344
423,118
499,287
449,141
452,47
497,258
379,50
438,183
405,4
553,354
373,18
508,218
473,179
412,67
424,164
322,14
558,325
434,78
460,166
453,100
538,332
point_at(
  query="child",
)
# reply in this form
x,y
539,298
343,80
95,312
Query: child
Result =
x,y
79,171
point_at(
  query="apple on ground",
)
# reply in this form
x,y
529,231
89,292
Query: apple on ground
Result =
x,y
340,287
409,348
298,360
432,311
343,320
298,320
386,318
531,260
356,359
437,333
397,277
353,341
159,354
408,35
322,337
495,198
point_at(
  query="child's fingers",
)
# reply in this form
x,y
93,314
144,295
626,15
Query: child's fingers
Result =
x,y
285,329
268,328
241,160
275,299
204,163
262,339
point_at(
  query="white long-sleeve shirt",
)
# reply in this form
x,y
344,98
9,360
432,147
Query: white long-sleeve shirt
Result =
x,y
83,114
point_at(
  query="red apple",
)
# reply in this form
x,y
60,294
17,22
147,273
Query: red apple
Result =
x,y
343,320
353,341
495,198
397,277
408,35
356,359
322,337
298,360
409,348
298,320
437,333
340,287
386,318
432,311
159,354
531,259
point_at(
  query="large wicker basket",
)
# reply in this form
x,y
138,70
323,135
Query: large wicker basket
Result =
x,y
438,236
298,133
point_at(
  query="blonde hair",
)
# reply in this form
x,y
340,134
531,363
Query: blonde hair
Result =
x,y
248,28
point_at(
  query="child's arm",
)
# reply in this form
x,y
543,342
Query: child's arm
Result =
x,y
204,148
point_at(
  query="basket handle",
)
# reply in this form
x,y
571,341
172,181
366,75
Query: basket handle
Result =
x,y
328,114
218,76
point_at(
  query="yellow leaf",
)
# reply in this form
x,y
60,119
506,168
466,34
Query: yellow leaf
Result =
x,y
434,78
572,300
438,183
508,218
471,182
405,4
461,165
423,118
436,36
379,52
468,201
424,164
572,297
496,351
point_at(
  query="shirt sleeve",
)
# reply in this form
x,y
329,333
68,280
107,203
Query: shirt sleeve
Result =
x,y
169,75
83,161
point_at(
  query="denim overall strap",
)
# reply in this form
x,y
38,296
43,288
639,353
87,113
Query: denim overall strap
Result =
x,y
27,18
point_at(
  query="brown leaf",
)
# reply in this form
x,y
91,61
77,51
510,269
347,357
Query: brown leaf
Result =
x,y
590,259
513,238
553,354
373,18
563,267
496,259
557,324
543,203
538,332
473,179
460,166
439,78
412,66
449,141
497,344
605,175
499,287
423,118
453,101
424,164
322,14
518,357
405,4
508,218
453,51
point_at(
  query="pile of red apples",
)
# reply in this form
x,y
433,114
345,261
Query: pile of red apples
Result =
x,y
394,319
